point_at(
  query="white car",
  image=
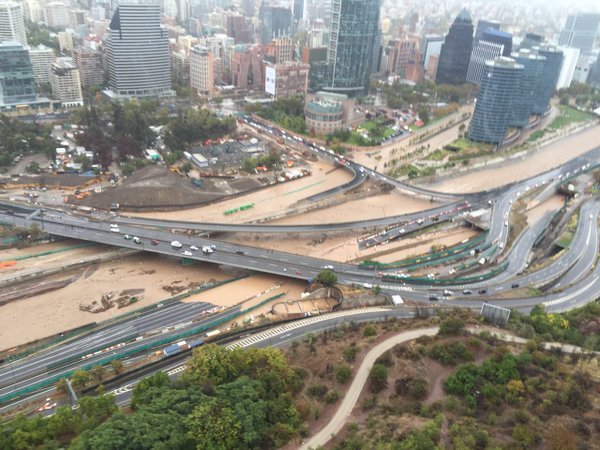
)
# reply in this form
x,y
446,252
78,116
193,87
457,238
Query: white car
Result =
x,y
115,230
186,253
176,244
328,266
114,225
194,248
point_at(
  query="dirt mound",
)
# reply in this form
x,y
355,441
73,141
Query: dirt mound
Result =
x,y
156,187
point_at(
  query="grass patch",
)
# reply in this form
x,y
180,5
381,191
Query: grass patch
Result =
x,y
568,115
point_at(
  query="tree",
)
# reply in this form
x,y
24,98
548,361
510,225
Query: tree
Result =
x,y
249,165
327,277
186,167
33,167
424,114
249,408
212,363
80,378
212,425
61,386
127,169
378,378
97,374
117,366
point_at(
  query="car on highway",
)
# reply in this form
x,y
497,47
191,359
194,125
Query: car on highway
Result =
x,y
194,248
483,291
154,242
433,298
514,285
137,240
115,230
127,237
328,266
298,272
506,223
114,225
239,252
176,244
467,292
447,293
186,253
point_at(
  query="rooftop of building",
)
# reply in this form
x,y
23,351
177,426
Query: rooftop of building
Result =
x,y
526,53
464,16
497,33
504,62
64,63
11,45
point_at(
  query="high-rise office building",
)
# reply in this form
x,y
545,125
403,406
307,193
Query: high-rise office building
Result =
x,y
276,21
354,48
202,77
137,51
56,14
33,11
554,58
431,45
400,52
298,11
77,17
491,44
65,81
594,76
280,50
287,79
493,110
529,85
567,68
248,7
456,51
180,67
89,63
483,25
239,28
531,40
12,24
580,31
498,37
17,84
483,51
246,67
41,58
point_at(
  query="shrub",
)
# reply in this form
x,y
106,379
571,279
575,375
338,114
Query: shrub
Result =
x,y
378,378
343,373
317,391
349,353
418,389
370,330
385,359
452,326
332,396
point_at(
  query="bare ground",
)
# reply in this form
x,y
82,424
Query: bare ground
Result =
x,y
56,311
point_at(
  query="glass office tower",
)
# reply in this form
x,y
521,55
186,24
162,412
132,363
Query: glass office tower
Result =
x,y
493,110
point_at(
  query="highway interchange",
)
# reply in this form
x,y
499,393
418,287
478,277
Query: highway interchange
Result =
x,y
573,272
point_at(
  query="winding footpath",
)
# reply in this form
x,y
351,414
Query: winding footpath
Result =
x,y
344,411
